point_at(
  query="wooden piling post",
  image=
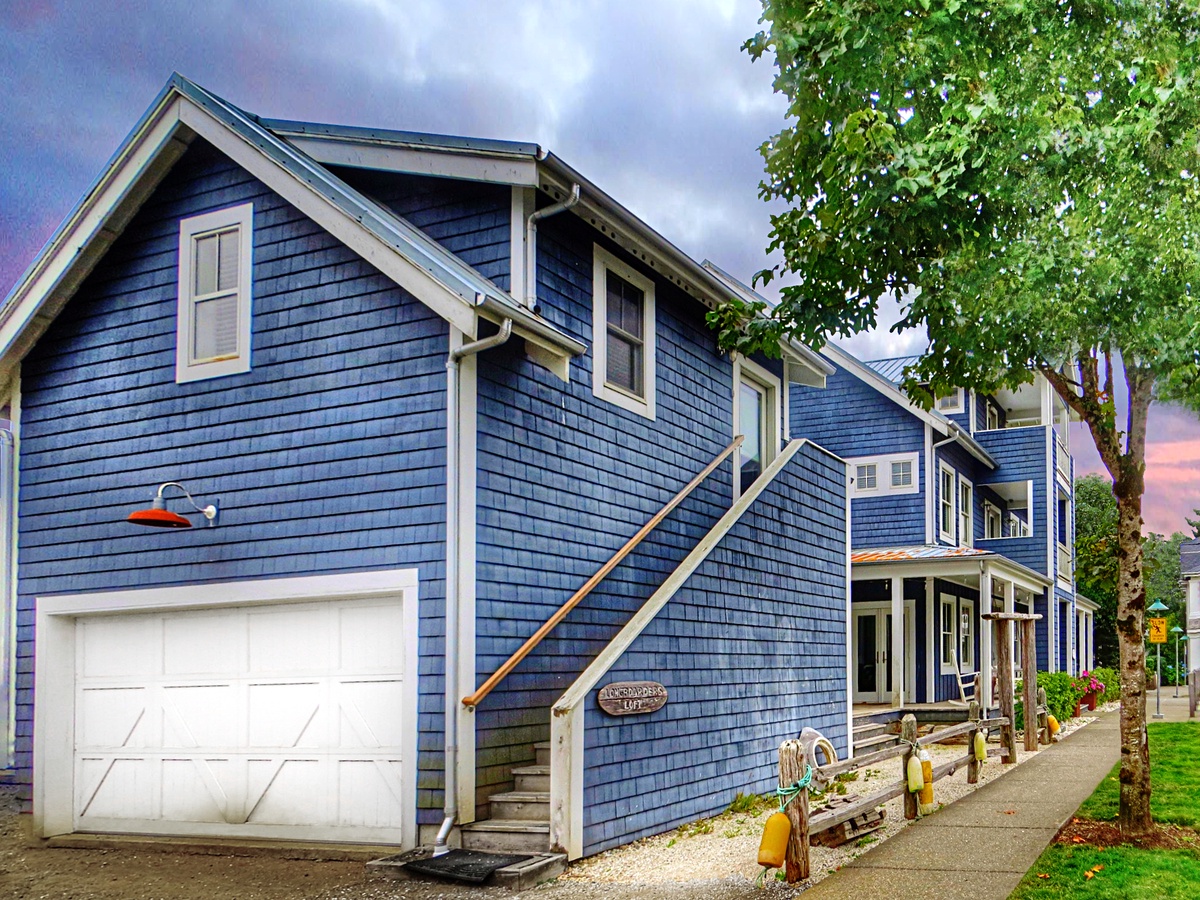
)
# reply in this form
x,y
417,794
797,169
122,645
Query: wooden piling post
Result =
x,y
1004,661
793,759
1043,718
1029,676
908,736
973,715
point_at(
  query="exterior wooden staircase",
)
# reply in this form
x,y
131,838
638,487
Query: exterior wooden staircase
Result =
x,y
520,821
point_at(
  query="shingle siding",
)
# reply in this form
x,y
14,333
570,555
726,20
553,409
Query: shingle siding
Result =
x,y
852,419
752,649
329,455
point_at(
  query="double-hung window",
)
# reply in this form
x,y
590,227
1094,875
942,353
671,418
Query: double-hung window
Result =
x,y
213,312
947,631
946,497
623,335
966,514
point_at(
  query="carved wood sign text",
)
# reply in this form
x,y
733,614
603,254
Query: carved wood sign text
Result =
x,y
626,698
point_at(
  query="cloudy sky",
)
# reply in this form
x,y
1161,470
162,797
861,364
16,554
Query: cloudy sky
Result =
x,y
654,101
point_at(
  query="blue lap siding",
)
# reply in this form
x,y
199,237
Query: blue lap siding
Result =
x,y
327,456
751,650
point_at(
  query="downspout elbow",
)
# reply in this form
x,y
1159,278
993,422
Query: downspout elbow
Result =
x,y
531,241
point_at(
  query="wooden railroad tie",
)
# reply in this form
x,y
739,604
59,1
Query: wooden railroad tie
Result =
x,y
843,832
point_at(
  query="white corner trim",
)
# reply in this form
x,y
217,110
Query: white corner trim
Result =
x,y
849,627
927,485
931,644
55,661
240,217
604,262
8,596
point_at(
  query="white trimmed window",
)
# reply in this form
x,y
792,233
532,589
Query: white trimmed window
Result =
x,y
890,474
992,521
950,403
622,334
993,416
947,633
966,514
212,334
946,502
866,478
756,417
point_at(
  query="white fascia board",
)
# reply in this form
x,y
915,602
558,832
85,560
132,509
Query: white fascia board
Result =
x,y
469,166
133,173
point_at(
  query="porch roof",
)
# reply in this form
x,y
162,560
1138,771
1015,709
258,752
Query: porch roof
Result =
x,y
934,560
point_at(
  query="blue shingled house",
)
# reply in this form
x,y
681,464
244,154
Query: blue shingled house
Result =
x,y
413,392
957,511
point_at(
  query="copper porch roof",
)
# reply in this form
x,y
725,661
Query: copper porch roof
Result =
x,y
924,551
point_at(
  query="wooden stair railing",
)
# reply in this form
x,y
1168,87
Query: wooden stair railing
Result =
x,y
536,638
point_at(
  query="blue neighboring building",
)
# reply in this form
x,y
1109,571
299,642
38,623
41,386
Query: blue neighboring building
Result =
x,y
956,511
429,385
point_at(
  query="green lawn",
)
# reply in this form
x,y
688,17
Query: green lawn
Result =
x,y
1130,873
1174,776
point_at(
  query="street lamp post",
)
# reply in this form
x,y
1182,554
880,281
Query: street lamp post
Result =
x,y
1158,607
1178,632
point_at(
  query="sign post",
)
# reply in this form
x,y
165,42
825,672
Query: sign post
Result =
x,y
1158,636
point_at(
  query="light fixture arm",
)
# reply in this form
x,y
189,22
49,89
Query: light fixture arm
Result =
x,y
209,512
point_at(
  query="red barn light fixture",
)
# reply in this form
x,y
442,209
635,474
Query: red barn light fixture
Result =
x,y
158,516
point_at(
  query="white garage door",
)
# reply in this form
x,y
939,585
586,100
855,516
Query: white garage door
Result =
x,y
283,721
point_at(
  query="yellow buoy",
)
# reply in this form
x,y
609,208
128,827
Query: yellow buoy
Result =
x,y
980,746
1053,724
773,847
925,798
916,777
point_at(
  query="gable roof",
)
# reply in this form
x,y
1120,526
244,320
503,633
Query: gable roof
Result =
x,y
181,112
1189,557
943,424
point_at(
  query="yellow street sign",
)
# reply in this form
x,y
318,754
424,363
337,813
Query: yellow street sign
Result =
x,y
1158,631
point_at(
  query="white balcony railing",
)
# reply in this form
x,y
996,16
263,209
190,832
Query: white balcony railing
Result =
x,y
1064,564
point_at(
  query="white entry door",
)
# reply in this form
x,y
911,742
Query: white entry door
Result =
x,y
872,642
288,720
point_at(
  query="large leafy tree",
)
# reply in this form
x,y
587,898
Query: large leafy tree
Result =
x,y
1021,175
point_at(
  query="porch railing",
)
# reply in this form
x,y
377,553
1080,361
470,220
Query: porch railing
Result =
x,y
538,636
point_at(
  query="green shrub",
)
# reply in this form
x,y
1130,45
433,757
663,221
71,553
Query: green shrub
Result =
x,y
1112,684
1061,696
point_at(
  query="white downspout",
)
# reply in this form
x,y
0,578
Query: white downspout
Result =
x,y
453,694
531,242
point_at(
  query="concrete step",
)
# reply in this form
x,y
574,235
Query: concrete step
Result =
x,y
528,806
532,778
507,835
542,749
520,876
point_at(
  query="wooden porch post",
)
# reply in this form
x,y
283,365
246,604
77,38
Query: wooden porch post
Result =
x,y
985,638
1004,681
896,652
1029,677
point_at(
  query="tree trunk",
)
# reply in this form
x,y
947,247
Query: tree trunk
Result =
x,y
1134,817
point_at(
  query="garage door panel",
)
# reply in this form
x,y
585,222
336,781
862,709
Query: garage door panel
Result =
x,y
202,643
114,717
120,646
289,641
367,642
370,792
286,715
284,721
195,790
200,715
120,787
368,714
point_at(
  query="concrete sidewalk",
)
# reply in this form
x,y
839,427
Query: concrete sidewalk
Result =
x,y
982,845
